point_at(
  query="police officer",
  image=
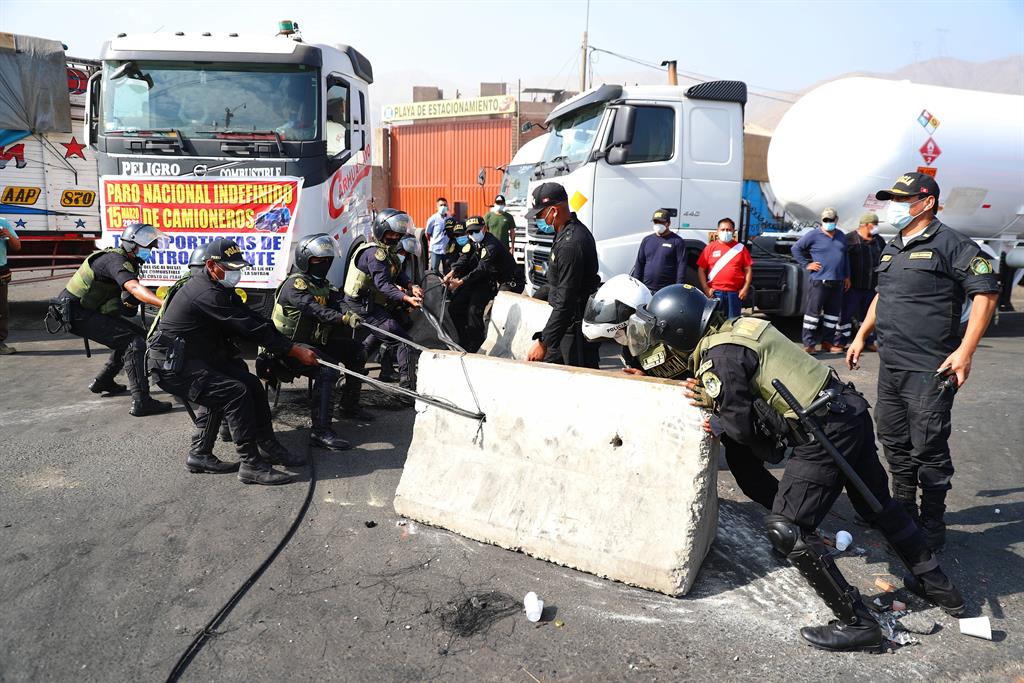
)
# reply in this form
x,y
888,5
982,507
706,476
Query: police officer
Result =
x,y
191,355
572,278
378,289
488,267
453,229
606,317
926,273
735,361
307,310
104,290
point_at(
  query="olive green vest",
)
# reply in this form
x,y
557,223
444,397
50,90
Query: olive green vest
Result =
x,y
289,320
93,294
664,361
357,282
778,358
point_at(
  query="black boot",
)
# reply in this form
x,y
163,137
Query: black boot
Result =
x,y
200,456
906,495
357,413
277,454
320,412
933,509
144,404
106,385
225,433
936,588
255,470
857,633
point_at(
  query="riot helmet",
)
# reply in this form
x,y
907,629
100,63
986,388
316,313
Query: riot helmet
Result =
x,y
677,316
318,246
142,235
391,220
609,308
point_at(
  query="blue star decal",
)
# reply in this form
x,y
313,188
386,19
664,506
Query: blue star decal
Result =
x,y
79,223
20,223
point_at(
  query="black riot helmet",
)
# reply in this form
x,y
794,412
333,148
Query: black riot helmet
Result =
x,y
678,316
201,254
391,220
318,245
141,234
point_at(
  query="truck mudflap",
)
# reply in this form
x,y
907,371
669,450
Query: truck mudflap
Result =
x,y
561,472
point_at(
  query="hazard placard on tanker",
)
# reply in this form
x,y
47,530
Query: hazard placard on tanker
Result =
x,y
257,214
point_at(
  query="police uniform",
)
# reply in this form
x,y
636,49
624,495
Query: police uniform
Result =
x,y
736,360
97,306
309,311
372,289
572,278
487,267
192,355
922,285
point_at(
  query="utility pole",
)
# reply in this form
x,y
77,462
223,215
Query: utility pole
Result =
x,y
583,57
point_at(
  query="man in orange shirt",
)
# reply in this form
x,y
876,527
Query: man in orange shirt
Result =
x,y
725,269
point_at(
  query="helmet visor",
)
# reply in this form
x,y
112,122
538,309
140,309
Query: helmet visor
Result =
x,y
604,311
410,245
640,332
400,223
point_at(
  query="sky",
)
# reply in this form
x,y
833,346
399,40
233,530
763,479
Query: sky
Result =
x,y
785,46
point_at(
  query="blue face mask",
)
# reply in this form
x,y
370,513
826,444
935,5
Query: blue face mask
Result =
x,y
544,227
462,240
829,227
143,253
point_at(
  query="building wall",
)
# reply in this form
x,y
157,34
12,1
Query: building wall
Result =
x,y
429,160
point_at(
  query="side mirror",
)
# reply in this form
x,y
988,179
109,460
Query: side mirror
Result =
x,y
481,177
526,127
123,70
622,135
92,109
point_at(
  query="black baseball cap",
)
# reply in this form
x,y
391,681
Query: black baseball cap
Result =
x,y
911,185
661,216
474,223
227,253
499,199
547,194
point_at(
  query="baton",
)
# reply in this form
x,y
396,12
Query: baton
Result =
x,y
811,425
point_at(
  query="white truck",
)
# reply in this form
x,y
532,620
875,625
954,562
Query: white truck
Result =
x,y
263,139
48,179
515,185
623,151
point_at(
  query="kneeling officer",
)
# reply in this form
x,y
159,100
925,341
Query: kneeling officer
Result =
x,y
307,310
191,355
736,360
105,288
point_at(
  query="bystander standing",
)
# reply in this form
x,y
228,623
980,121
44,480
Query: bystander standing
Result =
x,y
822,253
864,249
725,269
437,238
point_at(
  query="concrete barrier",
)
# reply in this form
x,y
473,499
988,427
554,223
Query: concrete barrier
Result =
x,y
599,471
514,320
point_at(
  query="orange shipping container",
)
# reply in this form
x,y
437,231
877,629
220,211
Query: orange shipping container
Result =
x,y
431,160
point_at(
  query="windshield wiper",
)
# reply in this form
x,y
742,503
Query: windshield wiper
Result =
x,y
163,139
234,132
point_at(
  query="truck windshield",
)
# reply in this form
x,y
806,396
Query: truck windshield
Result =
x,y
515,183
572,137
193,96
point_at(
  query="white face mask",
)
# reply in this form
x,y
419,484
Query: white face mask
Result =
x,y
401,257
443,210
898,213
725,236
499,208
659,228
873,230
477,236
231,278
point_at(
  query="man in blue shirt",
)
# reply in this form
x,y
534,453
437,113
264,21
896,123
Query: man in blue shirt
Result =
x,y
661,260
8,238
437,239
822,253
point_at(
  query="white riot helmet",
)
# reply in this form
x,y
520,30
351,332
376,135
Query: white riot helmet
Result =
x,y
608,309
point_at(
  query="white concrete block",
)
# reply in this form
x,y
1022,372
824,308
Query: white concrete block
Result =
x,y
514,320
595,470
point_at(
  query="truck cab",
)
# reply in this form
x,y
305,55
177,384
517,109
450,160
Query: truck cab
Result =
x,y
623,151
515,185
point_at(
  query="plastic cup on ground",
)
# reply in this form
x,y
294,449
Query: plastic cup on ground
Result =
x,y
533,605
843,540
979,627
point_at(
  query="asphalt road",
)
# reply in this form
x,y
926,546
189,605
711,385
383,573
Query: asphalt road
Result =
x,y
112,557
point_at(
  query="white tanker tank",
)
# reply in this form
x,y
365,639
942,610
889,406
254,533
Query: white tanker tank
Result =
x,y
844,140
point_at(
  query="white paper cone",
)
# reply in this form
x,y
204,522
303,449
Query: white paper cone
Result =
x,y
979,627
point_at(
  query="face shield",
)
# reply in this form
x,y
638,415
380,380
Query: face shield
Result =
x,y
400,223
409,245
641,331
